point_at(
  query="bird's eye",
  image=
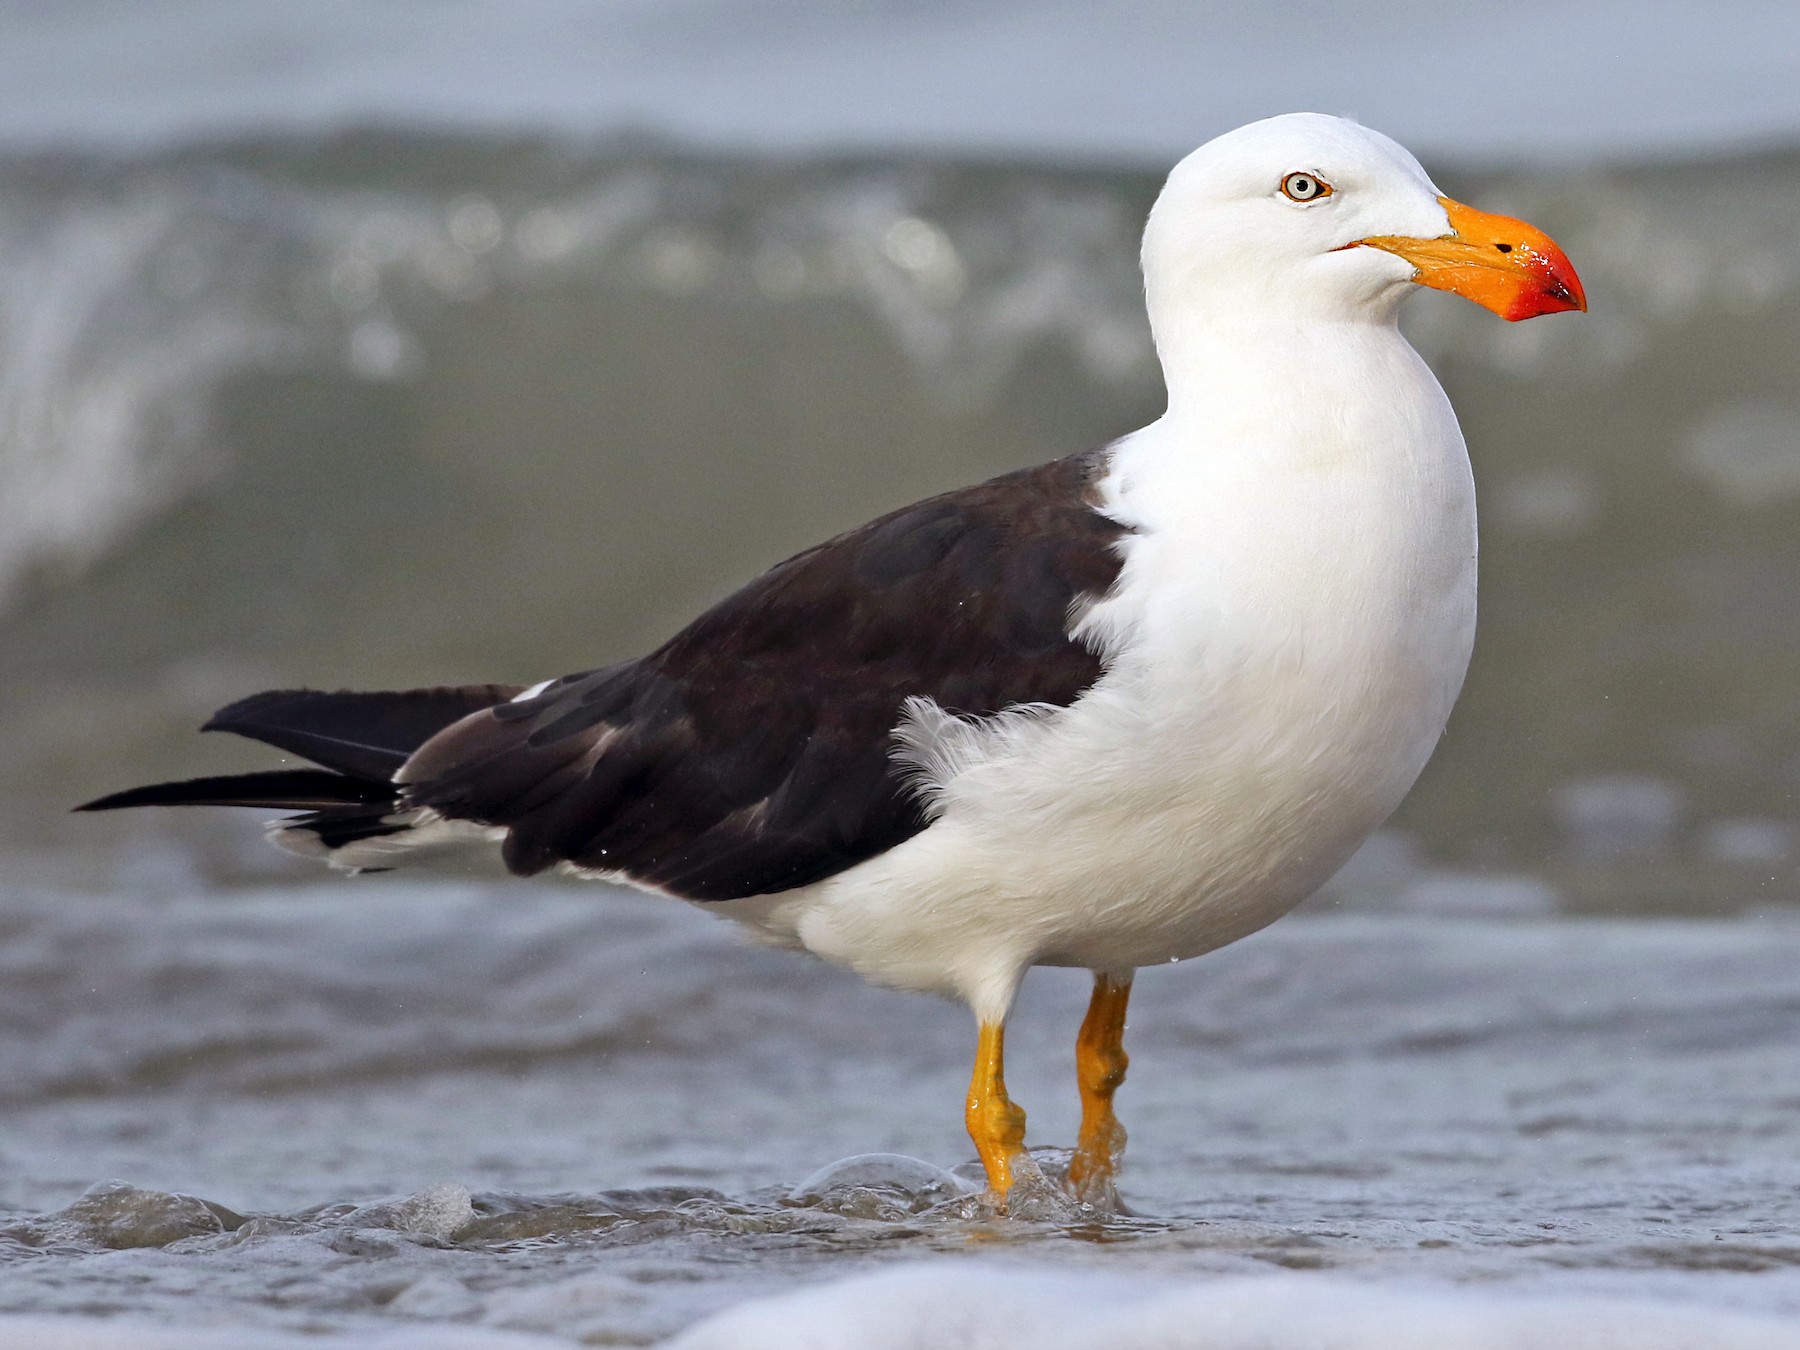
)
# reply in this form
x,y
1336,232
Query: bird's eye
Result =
x,y
1304,187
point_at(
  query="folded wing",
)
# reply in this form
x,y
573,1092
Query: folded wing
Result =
x,y
753,752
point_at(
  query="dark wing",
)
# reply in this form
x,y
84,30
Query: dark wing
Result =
x,y
752,753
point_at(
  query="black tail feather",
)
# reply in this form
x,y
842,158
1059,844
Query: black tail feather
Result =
x,y
347,825
361,740
366,735
280,789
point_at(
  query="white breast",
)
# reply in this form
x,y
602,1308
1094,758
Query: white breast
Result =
x,y
1286,640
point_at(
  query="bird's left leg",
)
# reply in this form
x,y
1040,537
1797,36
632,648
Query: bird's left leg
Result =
x,y
1100,1063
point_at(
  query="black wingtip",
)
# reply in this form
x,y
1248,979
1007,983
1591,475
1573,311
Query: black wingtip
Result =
x,y
281,790
116,801
137,796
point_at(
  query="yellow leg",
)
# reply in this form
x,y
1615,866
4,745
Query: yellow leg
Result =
x,y
1100,1063
995,1124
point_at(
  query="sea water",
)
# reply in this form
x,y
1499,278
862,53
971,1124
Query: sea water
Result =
x,y
381,1105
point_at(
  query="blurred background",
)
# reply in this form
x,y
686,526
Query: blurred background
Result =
x,y
391,342
456,340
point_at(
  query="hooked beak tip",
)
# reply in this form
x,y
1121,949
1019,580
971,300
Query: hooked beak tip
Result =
x,y
1502,264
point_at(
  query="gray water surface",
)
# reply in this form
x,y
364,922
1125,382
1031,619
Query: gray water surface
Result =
x,y
378,1104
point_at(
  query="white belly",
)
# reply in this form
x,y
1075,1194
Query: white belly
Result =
x,y
1287,639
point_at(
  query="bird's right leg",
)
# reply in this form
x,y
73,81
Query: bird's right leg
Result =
x,y
995,1123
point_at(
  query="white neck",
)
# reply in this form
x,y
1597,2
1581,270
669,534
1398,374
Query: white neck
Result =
x,y
1213,359
1295,471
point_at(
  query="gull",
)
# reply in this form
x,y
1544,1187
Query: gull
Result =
x,y
1111,711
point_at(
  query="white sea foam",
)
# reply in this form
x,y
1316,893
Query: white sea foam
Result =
x,y
116,323
973,1304
939,1306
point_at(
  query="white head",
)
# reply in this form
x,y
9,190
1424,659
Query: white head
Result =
x,y
1307,218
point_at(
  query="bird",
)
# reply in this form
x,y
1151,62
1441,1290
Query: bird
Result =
x,y
1115,710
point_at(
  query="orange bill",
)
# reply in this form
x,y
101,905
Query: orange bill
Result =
x,y
1500,263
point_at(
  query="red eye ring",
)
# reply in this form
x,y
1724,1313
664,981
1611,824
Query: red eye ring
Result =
x,y
1303,187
